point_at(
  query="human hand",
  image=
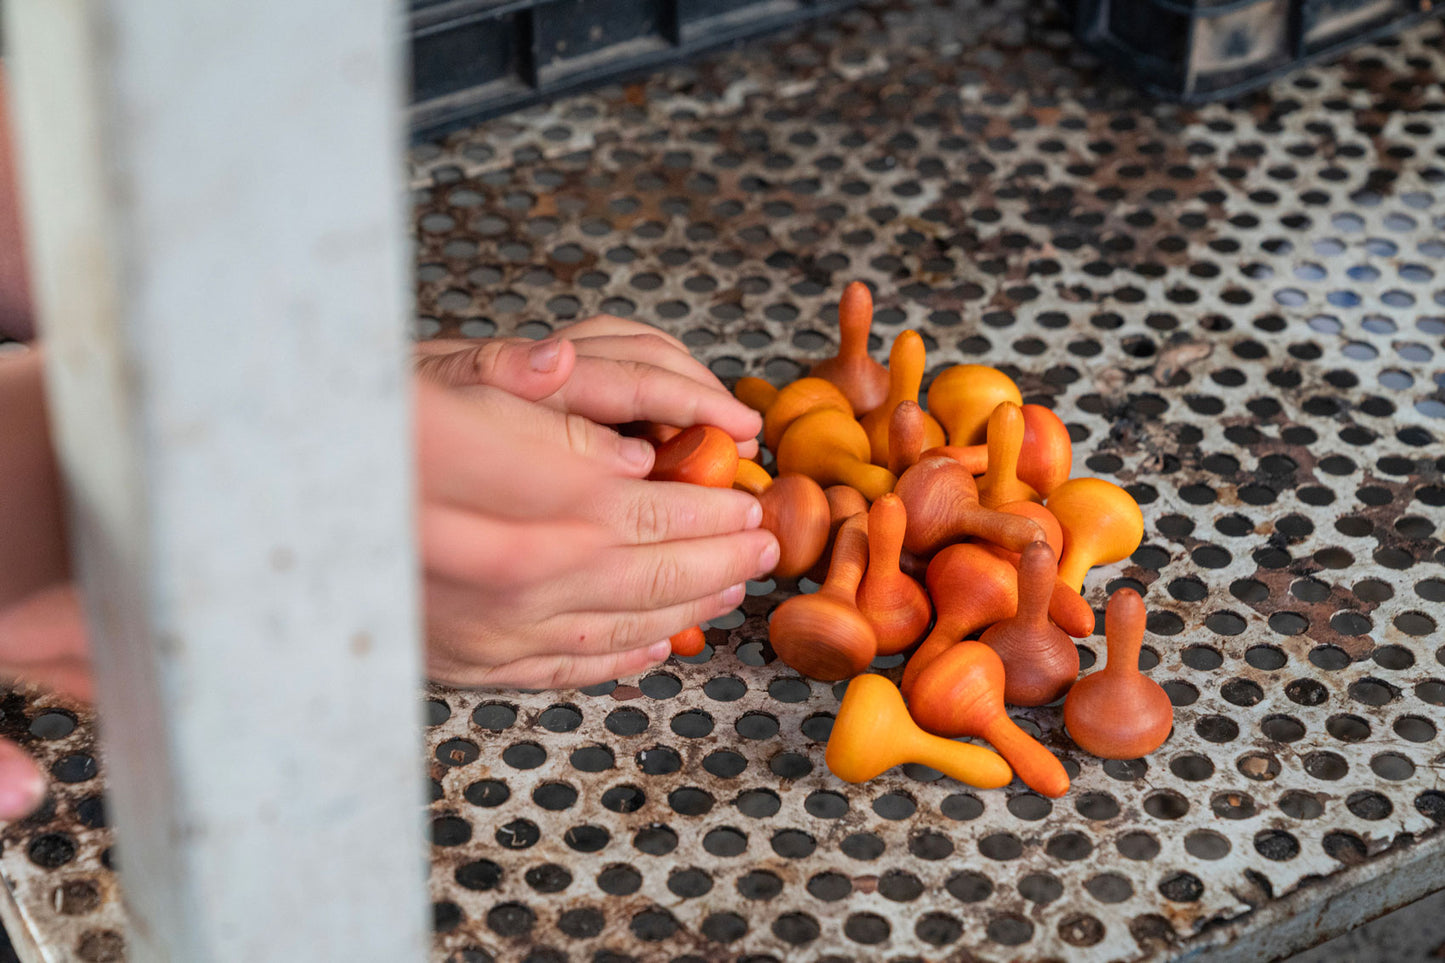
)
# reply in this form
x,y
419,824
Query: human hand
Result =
x,y
550,561
607,369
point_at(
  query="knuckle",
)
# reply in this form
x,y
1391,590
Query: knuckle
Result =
x,y
579,435
647,519
664,583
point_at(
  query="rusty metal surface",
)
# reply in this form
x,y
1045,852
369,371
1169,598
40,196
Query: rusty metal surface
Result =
x,y
1239,312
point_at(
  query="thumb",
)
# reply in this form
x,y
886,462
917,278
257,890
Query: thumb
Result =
x,y
531,370
22,787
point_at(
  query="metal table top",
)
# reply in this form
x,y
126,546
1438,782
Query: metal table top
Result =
x,y
1238,311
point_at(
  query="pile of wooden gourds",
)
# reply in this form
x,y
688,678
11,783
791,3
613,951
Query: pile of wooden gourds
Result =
x,y
926,528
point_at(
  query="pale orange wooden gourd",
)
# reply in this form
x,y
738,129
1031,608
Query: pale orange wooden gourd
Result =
x,y
1118,712
863,380
960,693
796,511
1066,607
1000,483
893,603
823,635
831,448
797,399
751,477
1101,522
971,590
756,393
1039,659
905,375
942,503
873,732
963,396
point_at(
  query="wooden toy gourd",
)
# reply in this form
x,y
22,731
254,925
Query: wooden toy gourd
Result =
x,y
1118,712
873,732
1000,483
862,379
756,393
797,399
1045,459
960,693
796,511
971,590
689,642
751,477
942,503
701,455
1039,659
964,395
905,375
893,603
905,436
1066,607
823,635
831,448
1101,522
844,502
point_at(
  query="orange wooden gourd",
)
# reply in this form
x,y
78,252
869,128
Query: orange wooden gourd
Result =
x,y
1000,483
961,694
1118,712
1101,522
862,379
823,635
963,396
971,590
893,603
751,477
873,732
689,641
973,458
831,448
905,436
844,502
701,454
797,399
1045,459
796,511
942,503
1066,607
1040,661
905,375
756,393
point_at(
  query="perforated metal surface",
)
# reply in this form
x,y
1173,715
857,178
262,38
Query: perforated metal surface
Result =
x,y
1238,311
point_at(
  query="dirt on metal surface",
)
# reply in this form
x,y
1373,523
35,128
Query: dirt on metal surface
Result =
x,y
1237,309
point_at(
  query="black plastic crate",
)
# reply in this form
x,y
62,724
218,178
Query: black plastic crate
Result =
x,y
1200,51
473,59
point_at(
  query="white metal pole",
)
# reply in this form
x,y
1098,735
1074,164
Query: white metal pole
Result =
x,y
215,206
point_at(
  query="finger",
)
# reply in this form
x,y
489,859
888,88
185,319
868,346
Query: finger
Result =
x,y
43,639
22,787
607,325
592,633
555,671
645,512
650,348
649,577
616,391
528,369
468,548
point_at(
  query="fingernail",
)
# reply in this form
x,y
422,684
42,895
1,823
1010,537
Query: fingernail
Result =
x,y
734,594
755,514
659,651
768,558
637,453
543,355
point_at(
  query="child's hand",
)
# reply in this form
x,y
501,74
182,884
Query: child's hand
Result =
x,y
549,560
606,369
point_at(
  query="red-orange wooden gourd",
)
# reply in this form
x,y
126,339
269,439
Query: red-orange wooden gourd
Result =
x,y
905,374
1118,712
961,694
942,503
971,590
863,380
1101,522
701,455
1040,661
689,642
823,635
963,396
873,732
1066,607
796,511
831,448
844,502
905,436
893,603
1045,460
1000,483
